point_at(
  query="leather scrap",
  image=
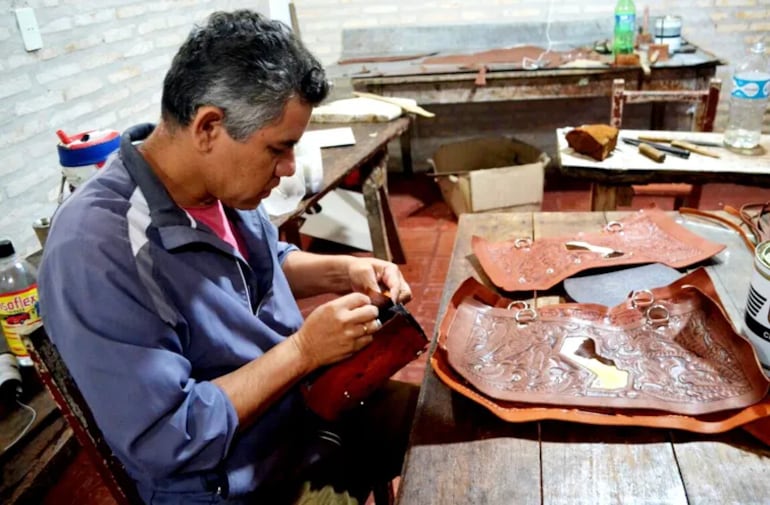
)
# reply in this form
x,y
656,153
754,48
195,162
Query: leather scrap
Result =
x,y
646,236
693,373
512,55
347,383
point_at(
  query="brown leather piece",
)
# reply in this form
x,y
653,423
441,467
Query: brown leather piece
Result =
x,y
693,373
511,55
646,236
346,384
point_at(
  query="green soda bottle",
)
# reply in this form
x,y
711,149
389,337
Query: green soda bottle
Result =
x,y
625,27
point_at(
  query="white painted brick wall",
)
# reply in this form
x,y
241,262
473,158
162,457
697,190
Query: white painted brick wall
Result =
x,y
101,66
103,62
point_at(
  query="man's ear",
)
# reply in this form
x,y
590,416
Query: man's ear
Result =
x,y
207,126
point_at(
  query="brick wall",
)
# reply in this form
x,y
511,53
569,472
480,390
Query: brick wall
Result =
x,y
103,62
101,66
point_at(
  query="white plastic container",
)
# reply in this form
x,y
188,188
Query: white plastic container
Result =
x,y
668,30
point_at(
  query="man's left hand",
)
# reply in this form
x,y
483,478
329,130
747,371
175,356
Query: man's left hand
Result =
x,y
370,275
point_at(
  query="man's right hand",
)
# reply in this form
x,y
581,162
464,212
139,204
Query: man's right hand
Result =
x,y
336,329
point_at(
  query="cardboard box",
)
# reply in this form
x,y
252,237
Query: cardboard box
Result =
x,y
489,174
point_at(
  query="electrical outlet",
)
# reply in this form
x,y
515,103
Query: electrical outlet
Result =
x,y
30,33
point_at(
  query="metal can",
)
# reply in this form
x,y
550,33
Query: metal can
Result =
x,y
41,227
757,317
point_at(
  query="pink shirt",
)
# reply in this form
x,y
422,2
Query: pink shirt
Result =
x,y
215,218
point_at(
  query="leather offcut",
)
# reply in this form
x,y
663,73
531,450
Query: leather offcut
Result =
x,y
647,236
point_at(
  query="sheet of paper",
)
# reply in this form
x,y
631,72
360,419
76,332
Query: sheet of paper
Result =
x,y
342,220
331,137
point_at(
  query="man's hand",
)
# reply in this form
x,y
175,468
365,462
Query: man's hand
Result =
x,y
336,329
368,275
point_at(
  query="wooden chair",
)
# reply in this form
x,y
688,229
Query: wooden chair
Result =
x,y
66,394
57,379
705,100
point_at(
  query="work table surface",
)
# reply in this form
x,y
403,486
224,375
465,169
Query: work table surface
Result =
x,y
460,453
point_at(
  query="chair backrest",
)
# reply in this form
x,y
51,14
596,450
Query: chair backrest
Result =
x,y
706,101
57,379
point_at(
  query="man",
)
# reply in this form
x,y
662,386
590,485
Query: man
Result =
x,y
173,302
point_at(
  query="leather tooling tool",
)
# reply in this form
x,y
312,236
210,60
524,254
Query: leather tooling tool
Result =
x,y
668,140
682,153
693,148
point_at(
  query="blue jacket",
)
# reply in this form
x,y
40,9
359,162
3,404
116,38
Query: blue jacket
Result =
x,y
147,306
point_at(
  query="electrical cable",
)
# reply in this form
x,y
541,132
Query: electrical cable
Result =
x,y
26,428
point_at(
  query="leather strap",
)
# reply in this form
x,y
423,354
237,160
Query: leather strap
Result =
x,y
716,217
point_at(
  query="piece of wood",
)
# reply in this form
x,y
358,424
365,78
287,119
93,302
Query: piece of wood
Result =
x,y
652,153
403,103
38,466
627,60
661,49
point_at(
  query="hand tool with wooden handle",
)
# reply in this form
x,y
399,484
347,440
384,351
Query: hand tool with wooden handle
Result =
x,y
694,148
651,152
668,140
681,153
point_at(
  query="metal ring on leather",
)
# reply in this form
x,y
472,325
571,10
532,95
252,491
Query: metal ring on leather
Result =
x,y
614,226
642,298
658,315
525,316
518,304
520,243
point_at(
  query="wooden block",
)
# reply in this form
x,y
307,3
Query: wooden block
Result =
x,y
627,60
661,50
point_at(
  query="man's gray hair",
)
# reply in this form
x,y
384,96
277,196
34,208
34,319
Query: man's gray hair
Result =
x,y
244,64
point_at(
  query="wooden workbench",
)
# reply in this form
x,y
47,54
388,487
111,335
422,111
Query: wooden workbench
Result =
x,y
460,453
369,155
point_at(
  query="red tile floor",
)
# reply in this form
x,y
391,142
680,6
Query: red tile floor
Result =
x,y
427,229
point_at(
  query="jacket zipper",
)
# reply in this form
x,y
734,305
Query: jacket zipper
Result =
x,y
245,284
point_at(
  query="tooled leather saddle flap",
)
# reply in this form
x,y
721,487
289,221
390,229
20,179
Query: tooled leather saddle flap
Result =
x,y
647,236
666,357
345,384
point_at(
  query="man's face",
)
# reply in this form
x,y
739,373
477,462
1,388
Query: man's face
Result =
x,y
241,174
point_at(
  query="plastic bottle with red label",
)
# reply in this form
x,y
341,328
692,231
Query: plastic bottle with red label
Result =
x,y
19,305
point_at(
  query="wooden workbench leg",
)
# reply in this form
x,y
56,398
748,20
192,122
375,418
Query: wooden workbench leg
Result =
x,y
386,244
604,197
406,147
692,199
290,232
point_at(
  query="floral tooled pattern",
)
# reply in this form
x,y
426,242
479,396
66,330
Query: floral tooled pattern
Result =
x,y
621,360
517,265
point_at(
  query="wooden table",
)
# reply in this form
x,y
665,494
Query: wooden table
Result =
x,y
612,178
459,453
370,155
370,71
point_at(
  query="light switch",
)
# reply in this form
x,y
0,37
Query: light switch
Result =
x,y
30,33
